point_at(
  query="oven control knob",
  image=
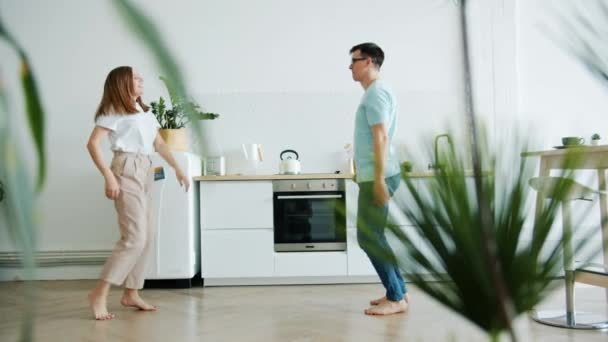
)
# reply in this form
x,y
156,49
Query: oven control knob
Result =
x,y
293,186
309,185
323,186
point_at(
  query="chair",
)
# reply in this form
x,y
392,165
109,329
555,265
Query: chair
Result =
x,y
593,274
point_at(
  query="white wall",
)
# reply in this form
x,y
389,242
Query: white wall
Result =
x,y
556,93
277,72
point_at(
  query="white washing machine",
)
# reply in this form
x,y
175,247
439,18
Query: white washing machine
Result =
x,y
175,259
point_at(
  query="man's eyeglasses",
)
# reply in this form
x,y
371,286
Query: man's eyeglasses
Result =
x,y
354,60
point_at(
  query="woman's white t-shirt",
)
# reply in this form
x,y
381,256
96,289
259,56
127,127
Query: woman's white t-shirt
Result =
x,y
131,132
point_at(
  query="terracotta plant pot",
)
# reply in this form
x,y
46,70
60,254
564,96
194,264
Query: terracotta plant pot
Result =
x,y
176,139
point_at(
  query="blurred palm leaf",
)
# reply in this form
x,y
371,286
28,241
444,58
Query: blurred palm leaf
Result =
x,y
33,106
583,27
16,188
18,208
447,241
147,31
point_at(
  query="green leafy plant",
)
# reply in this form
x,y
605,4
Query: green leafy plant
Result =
x,y
448,243
406,166
469,235
176,116
595,136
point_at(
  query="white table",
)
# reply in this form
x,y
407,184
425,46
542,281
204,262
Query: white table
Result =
x,y
592,158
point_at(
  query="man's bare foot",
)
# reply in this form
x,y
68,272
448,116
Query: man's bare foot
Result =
x,y
97,303
388,308
383,300
378,301
137,302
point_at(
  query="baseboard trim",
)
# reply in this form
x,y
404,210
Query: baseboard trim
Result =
x,y
56,258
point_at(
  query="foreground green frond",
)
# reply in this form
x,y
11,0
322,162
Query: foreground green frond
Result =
x,y
446,242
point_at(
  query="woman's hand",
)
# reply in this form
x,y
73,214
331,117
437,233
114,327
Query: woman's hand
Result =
x,y
182,179
112,188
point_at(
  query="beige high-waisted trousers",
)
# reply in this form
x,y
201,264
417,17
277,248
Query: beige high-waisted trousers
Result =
x,y
134,208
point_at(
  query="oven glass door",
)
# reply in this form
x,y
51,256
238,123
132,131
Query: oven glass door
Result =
x,y
309,221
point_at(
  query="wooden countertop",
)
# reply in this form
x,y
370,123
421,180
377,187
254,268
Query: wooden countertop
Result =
x,y
240,177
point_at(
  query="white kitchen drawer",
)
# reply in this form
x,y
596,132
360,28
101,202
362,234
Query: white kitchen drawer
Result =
x,y
302,264
236,253
235,204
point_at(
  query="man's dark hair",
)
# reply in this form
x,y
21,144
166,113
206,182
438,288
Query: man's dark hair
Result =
x,y
370,50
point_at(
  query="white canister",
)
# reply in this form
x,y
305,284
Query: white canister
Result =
x,y
214,166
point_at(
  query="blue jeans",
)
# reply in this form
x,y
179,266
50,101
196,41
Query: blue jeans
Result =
x,y
371,222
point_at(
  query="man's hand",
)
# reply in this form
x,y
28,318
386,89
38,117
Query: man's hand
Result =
x,y
381,196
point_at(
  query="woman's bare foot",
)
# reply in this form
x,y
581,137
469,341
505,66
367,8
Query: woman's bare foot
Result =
x,y
388,308
97,303
132,298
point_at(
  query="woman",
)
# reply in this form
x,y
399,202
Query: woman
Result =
x,y
133,136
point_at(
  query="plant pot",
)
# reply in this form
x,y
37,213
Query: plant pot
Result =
x,y
176,139
595,142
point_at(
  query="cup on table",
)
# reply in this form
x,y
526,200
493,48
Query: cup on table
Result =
x,y
572,141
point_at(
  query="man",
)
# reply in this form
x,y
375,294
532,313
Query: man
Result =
x,y
377,173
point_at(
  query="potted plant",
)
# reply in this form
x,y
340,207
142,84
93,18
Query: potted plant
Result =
x,y
595,139
174,120
406,167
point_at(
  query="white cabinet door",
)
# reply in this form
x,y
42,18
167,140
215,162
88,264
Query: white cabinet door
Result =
x,y
402,198
304,264
237,253
235,204
358,262
352,195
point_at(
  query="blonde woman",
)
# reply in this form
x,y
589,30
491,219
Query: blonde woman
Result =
x,y
133,133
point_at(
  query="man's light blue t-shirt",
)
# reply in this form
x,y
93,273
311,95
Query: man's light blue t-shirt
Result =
x,y
378,105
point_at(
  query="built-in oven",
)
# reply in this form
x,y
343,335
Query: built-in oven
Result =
x,y
309,215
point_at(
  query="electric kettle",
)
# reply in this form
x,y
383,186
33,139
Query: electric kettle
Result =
x,y
289,165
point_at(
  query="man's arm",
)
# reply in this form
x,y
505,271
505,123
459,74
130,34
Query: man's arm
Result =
x,y
380,138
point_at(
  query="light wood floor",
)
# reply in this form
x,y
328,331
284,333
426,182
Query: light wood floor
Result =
x,y
261,313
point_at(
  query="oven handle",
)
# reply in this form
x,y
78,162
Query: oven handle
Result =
x,y
309,196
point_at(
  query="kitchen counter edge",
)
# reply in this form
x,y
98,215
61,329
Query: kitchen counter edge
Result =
x,y
416,174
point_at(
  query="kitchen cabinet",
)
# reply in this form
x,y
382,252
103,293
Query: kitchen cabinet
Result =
x,y
310,264
237,253
237,237
236,204
400,199
358,262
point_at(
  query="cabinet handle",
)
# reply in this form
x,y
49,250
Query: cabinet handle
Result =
x,y
309,196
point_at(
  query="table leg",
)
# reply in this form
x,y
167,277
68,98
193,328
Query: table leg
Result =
x,y
601,181
540,196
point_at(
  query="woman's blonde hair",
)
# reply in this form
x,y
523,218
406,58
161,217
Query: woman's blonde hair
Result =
x,y
118,94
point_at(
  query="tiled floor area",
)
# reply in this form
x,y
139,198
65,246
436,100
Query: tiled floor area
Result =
x,y
262,313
